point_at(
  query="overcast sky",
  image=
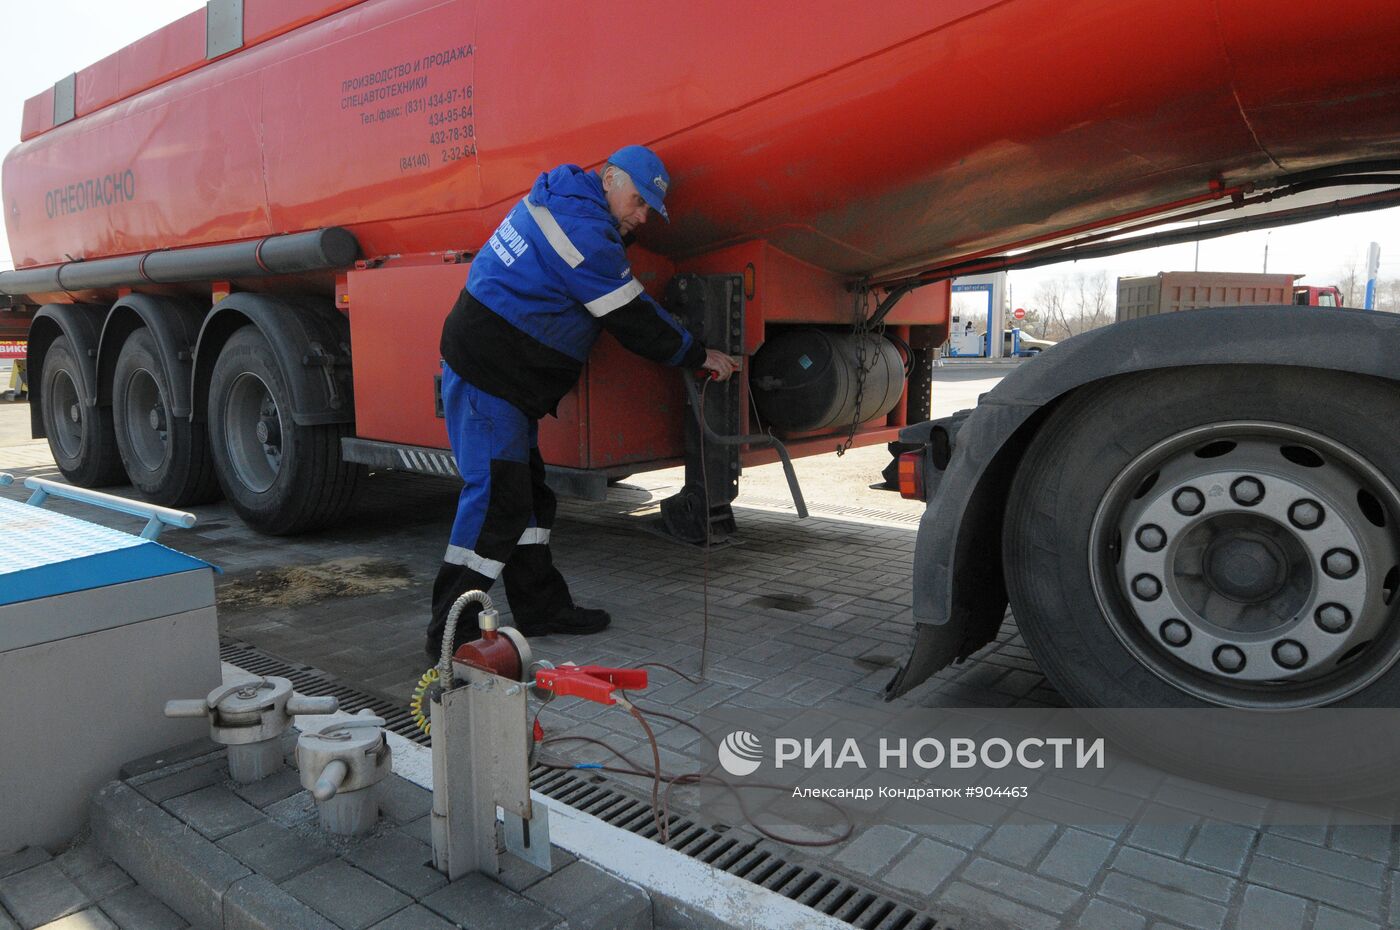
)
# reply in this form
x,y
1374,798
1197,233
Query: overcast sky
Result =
x,y
46,40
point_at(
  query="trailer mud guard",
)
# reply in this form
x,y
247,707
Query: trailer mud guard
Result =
x,y
311,341
959,590
174,325
79,322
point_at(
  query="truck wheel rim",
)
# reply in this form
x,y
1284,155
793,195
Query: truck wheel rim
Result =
x,y
65,414
1251,564
253,432
144,420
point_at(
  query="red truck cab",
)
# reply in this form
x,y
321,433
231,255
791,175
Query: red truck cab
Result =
x,y
1307,295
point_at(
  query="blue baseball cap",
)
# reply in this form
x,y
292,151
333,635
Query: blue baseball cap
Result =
x,y
647,174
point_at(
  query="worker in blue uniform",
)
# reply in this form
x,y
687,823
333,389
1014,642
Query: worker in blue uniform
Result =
x,y
551,277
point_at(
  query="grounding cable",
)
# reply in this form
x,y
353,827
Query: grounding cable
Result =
x,y
661,800
705,580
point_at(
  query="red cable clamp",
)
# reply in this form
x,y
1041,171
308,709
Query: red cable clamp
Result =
x,y
591,682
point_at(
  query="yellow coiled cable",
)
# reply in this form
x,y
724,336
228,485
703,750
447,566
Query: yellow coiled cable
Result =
x,y
419,704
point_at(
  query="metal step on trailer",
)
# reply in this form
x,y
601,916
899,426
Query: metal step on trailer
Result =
x,y
585,484
764,863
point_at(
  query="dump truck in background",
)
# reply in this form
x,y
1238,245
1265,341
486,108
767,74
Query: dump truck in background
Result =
x,y
240,237
1171,291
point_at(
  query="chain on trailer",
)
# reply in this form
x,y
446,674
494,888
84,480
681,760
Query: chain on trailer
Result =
x,y
864,326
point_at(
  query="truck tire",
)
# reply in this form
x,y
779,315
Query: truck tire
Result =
x,y
80,437
281,477
1215,537
167,458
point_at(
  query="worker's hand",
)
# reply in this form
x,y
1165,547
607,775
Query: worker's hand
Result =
x,y
722,365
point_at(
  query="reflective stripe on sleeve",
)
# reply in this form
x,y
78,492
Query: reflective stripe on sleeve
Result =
x,y
460,555
555,234
602,306
534,536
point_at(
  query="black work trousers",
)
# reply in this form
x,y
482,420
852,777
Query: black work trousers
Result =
x,y
505,514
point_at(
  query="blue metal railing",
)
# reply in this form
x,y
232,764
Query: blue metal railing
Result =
x,y
157,518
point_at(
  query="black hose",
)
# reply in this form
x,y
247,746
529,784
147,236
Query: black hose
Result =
x,y
1331,171
883,309
761,439
908,352
1054,255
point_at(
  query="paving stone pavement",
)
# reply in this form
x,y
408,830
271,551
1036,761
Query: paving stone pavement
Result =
x,y
801,613
270,875
79,889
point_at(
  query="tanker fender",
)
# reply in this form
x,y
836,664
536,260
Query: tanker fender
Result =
x,y
311,342
175,327
79,322
960,595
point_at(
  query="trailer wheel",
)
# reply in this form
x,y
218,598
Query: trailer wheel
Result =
x,y
167,458
80,437
1213,537
1214,520
281,477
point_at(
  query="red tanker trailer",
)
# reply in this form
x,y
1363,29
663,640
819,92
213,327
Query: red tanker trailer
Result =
x,y
389,138
242,233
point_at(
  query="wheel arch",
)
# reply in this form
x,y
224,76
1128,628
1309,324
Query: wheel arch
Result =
x,y
175,327
959,588
78,322
311,343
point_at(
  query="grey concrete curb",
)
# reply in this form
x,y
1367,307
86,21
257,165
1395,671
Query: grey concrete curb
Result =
x,y
592,899
255,903
191,875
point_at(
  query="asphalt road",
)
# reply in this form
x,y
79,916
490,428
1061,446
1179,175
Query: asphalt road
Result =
x,y
14,426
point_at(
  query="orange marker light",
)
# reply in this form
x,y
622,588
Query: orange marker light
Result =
x,y
911,476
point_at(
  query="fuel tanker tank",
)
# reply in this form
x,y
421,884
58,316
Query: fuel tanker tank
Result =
x,y
240,235
859,140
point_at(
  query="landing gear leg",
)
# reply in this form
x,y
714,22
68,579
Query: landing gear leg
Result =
x,y
713,305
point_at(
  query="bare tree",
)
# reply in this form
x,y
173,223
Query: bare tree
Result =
x,y
1349,282
1070,304
1051,301
1388,295
1094,308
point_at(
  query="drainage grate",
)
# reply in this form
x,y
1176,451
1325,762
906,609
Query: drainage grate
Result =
x,y
754,860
